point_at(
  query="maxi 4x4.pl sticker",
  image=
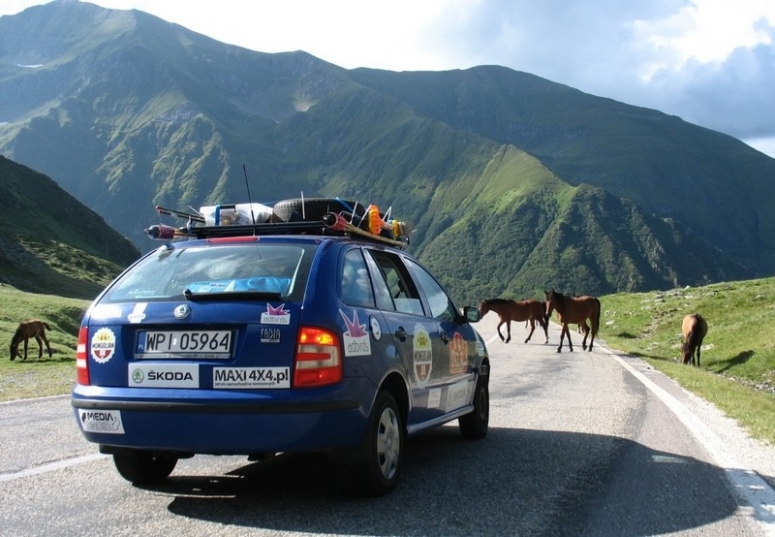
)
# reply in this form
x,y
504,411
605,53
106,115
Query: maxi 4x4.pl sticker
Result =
x,y
103,345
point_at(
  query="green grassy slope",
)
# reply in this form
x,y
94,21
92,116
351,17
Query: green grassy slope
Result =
x,y
49,242
738,354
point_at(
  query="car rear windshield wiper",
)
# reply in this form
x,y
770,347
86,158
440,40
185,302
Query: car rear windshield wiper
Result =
x,y
232,295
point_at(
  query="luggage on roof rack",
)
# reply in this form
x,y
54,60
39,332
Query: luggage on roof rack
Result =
x,y
296,216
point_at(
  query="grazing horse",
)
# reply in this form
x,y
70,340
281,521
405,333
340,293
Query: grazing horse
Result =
x,y
574,310
694,329
26,330
516,310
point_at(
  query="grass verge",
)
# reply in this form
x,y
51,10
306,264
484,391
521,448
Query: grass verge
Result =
x,y
738,355
39,377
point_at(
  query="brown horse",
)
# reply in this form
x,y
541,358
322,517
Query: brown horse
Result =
x,y
694,329
574,310
516,310
26,330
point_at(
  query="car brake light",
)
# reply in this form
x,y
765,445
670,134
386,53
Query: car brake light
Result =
x,y
318,360
82,357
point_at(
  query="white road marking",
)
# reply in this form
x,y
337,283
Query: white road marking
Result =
x,y
50,467
744,483
491,340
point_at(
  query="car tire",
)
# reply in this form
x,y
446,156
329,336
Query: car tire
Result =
x,y
312,209
474,426
145,467
382,451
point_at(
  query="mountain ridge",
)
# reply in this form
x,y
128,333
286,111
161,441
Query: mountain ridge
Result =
x,y
481,161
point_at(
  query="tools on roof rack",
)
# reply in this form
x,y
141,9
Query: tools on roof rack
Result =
x,y
298,216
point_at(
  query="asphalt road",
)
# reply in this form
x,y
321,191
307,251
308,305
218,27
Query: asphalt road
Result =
x,y
579,444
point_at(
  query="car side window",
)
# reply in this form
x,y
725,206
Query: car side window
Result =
x,y
402,292
355,284
441,305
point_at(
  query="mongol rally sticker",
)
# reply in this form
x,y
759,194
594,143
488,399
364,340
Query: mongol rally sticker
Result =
x,y
103,345
422,354
458,355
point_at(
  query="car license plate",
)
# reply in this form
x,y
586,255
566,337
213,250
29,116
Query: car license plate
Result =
x,y
205,344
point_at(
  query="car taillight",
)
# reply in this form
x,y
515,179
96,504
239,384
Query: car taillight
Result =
x,y
318,360
82,357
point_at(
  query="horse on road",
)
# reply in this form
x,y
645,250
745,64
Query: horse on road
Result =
x,y
576,309
516,310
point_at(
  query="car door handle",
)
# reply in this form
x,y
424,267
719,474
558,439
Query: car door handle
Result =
x,y
401,333
444,337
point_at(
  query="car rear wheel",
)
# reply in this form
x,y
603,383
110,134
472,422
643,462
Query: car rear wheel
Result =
x,y
383,448
474,425
145,467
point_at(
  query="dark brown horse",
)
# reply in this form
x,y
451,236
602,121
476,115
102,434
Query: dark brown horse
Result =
x,y
30,329
694,329
576,309
516,310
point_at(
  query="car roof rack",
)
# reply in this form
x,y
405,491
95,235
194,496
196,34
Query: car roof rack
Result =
x,y
344,224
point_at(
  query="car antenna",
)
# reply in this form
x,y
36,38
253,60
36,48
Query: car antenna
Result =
x,y
250,201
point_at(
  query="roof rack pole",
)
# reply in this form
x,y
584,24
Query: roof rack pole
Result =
x,y
250,201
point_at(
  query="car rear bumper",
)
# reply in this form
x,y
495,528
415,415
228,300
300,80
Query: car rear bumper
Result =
x,y
247,425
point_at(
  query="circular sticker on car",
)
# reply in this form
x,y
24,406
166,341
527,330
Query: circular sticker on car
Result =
x,y
103,345
138,376
376,329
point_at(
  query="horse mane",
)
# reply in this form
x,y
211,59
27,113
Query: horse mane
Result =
x,y
497,301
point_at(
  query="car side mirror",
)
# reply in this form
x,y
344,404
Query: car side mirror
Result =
x,y
471,314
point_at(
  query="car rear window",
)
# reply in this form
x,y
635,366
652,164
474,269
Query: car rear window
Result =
x,y
174,271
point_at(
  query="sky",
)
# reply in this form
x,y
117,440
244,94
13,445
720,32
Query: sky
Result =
x,y
710,62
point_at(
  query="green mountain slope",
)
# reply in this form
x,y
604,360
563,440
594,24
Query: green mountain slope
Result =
x,y
713,184
491,219
50,243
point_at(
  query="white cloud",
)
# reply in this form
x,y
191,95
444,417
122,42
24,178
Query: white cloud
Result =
x,y
705,31
765,145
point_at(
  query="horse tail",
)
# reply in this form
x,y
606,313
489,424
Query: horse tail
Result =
x,y
693,338
686,350
596,324
45,325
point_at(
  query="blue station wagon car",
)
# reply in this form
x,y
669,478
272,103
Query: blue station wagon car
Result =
x,y
306,332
